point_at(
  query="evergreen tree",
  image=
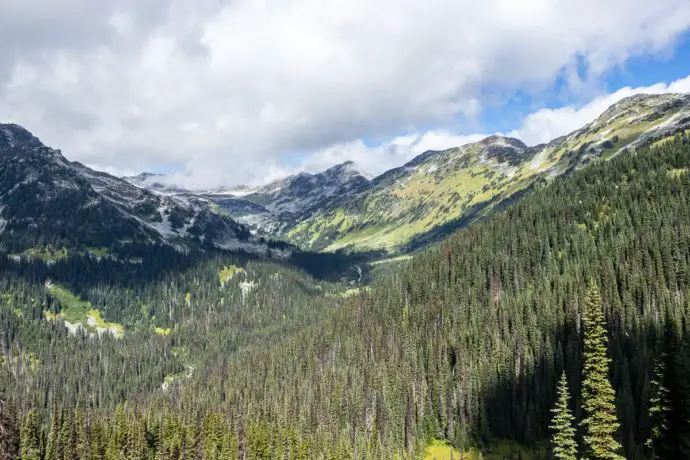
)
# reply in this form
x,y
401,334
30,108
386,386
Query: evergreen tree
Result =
x,y
29,447
658,410
53,434
563,439
669,412
598,397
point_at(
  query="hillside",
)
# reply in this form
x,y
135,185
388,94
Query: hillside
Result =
x,y
253,358
435,193
49,205
455,187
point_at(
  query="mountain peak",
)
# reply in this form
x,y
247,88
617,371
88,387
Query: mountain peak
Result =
x,y
503,141
644,105
349,168
13,135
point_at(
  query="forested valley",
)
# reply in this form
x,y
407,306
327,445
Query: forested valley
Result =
x,y
470,343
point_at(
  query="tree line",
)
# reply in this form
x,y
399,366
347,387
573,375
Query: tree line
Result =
x,y
467,342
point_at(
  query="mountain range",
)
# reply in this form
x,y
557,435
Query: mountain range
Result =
x,y
437,191
48,201
139,320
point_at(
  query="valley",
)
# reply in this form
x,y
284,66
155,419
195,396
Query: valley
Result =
x,y
345,230
143,322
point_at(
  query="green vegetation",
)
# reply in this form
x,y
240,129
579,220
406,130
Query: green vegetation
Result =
x,y
458,349
441,450
675,173
77,311
228,273
99,252
353,291
162,330
563,440
461,185
45,254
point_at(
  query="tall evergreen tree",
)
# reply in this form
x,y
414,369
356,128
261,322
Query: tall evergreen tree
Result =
x,y
598,396
669,411
29,446
563,439
658,410
53,434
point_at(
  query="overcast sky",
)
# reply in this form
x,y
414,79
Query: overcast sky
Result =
x,y
243,91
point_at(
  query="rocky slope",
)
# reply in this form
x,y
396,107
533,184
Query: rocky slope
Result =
x,y
47,201
299,193
444,190
273,208
436,192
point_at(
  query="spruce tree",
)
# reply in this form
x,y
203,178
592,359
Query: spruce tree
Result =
x,y
658,410
598,396
563,439
669,411
53,434
29,446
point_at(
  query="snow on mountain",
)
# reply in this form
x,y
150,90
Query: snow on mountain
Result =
x,y
304,191
46,199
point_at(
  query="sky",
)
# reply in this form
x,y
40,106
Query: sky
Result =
x,y
228,92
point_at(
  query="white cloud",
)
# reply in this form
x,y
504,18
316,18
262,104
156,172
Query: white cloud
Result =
x,y
538,127
387,155
228,90
547,124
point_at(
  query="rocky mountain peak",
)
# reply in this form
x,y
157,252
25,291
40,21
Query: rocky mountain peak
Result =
x,y
13,135
644,105
502,141
347,169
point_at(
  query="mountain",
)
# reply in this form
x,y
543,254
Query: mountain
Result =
x,y
436,192
154,182
287,201
439,191
303,192
47,200
462,345
271,208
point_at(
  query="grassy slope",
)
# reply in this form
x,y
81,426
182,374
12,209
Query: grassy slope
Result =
x,y
439,450
78,311
425,198
435,194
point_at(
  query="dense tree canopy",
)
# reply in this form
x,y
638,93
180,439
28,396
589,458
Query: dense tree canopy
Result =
x,y
465,342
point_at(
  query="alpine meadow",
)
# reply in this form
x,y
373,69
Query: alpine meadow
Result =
x,y
327,258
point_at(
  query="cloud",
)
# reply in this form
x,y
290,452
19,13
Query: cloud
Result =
x,y
546,124
387,155
538,127
228,91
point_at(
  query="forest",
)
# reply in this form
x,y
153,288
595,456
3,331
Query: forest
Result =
x,y
558,325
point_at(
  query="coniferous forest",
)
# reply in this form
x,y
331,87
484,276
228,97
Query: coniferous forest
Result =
x,y
559,325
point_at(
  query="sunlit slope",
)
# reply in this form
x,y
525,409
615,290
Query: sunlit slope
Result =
x,y
459,185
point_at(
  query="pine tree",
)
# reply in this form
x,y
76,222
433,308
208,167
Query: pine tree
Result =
x,y
598,396
563,439
669,411
658,410
51,446
29,447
